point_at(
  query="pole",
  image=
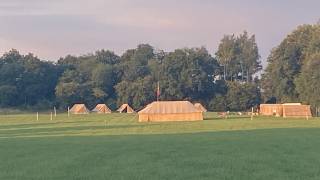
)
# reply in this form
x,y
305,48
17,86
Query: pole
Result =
x,y
37,116
158,91
51,116
251,113
224,72
55,111
68,111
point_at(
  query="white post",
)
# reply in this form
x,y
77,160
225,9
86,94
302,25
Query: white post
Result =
x,y
68,111
55,111
37,116
51,116
251,113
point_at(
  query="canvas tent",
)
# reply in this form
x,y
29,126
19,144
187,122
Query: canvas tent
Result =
x,y
125,108
296,111
101,109
271,109
286,110
79,109
161,111
200,107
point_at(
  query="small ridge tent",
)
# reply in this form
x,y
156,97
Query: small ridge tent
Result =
x,y
79,109
200,107
101,109
125,108
161,111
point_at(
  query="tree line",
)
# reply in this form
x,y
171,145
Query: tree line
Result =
x,y
224,81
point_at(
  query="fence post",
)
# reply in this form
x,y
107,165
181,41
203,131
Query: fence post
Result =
x,y
251,113
55,111
51,116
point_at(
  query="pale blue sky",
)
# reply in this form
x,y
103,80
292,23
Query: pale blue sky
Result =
x,y
54,28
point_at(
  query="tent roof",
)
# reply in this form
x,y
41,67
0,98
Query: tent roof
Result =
x,y
79,107
101,107
291,104
169,107
200,107
124,106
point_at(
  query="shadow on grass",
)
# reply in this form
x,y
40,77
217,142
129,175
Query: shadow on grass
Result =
x,y
228,118
33,124
61,130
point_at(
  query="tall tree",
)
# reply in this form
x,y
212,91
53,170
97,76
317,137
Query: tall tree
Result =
x,y
285,63
239,57
34,79
308,84
248,56
88,79
226,55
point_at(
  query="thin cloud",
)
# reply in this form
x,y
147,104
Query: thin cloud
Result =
x,y
54,28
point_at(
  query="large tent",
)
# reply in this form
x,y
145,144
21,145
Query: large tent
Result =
x,y
286,110
160,111
125,108
79,109
101,109
296,110
271,109
200,107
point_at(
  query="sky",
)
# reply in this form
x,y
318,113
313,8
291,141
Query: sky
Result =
x,y
54,28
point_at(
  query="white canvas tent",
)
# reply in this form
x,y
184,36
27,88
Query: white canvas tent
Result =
x,y
200,107
79,109
101,109
160,111
125,108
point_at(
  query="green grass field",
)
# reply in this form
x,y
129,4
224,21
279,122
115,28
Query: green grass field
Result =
x,y
116,146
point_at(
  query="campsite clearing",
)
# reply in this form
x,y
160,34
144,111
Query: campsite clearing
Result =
x,y
116,146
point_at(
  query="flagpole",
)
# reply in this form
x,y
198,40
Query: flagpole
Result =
x,y
158,91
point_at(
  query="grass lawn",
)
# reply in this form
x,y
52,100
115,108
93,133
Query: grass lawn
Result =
x,y
117,147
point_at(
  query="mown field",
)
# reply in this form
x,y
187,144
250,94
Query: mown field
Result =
x,y
116,146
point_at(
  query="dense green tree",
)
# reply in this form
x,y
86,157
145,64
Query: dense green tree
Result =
x,y
226,55
88,79
285,63
136,85
8,95
237,97
308,84
35,80
239,57
248,56
188,74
